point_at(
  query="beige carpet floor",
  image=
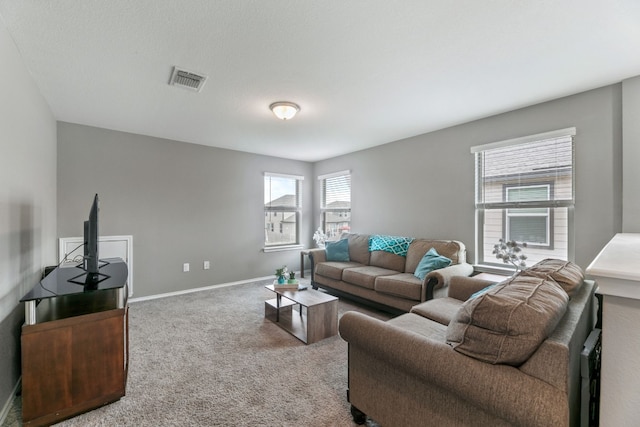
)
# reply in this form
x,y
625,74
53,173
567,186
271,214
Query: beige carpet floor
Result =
x,y
210,358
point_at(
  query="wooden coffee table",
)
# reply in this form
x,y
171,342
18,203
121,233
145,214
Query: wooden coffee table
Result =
x,y
316,319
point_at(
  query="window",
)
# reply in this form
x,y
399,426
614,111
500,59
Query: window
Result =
x,y
282,208
335,205
530,225
524,192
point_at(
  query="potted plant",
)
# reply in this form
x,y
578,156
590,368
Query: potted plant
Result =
x,y
292,277
281,274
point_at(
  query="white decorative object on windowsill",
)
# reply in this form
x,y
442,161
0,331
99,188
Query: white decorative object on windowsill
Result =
x,y
319,237
510,252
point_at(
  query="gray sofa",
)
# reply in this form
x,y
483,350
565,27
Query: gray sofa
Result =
x,y
387,279
413,370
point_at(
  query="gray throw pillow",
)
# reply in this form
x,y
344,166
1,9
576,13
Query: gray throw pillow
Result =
x,y
507,324
566,273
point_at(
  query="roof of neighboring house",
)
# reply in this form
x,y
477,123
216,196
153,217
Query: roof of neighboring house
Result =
x,y
286,201
339,204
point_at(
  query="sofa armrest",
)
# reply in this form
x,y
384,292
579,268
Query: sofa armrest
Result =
x,y
316,256
499,389
441,277
462,287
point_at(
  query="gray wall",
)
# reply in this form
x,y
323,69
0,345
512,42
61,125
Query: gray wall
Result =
x,y
190,203
27,200
631,149
424,186
181,202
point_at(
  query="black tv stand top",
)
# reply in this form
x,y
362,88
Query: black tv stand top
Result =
x,y
65,280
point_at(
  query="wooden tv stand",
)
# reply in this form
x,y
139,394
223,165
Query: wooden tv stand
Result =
x,y
74,345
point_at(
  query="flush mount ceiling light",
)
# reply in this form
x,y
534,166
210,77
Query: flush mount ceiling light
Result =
x,y
284,110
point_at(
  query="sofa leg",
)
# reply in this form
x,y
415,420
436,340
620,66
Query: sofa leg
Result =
x,y
358,416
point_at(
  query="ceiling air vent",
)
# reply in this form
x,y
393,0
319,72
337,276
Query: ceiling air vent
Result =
x,y
187,79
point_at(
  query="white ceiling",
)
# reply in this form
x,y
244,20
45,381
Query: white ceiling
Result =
x,y
365,72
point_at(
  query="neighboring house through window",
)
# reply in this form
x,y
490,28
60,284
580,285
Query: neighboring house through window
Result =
x,y
335,204
283,209
525,192
531,225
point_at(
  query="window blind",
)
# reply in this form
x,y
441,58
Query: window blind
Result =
x,y
522,165
336,192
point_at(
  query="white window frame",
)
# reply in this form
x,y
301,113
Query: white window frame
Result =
x,y
482,261
295,210
324,210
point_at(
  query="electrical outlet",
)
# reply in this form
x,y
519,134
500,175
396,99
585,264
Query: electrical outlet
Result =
x,y
207,265
185,267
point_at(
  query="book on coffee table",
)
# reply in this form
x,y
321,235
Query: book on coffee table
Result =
x,y
289,286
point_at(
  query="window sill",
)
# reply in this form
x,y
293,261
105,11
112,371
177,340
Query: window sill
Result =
x,y
267,249
491,269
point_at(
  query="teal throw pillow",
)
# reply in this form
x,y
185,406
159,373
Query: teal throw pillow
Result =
x,y
429,262
392,244
337,251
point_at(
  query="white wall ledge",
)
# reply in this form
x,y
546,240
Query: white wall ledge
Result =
x,y
617,267
617,272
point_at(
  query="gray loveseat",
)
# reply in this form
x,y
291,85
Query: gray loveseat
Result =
x,y
449,363
385,278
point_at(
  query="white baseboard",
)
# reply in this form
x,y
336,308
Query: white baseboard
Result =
x,y
9,403
204,288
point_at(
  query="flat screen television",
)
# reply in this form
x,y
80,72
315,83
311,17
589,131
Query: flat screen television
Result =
x,y
90,261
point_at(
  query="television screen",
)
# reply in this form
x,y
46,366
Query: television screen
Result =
x,y
90,262
91,239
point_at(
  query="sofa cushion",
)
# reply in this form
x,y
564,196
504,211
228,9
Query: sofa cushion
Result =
x,y
387,260
416,324
402,285
565,273
338,250
359,248
334,270
449,248
365,276
429,262
509,322
440,310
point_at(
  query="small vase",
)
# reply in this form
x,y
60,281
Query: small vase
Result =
x,y
281,279
291,281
